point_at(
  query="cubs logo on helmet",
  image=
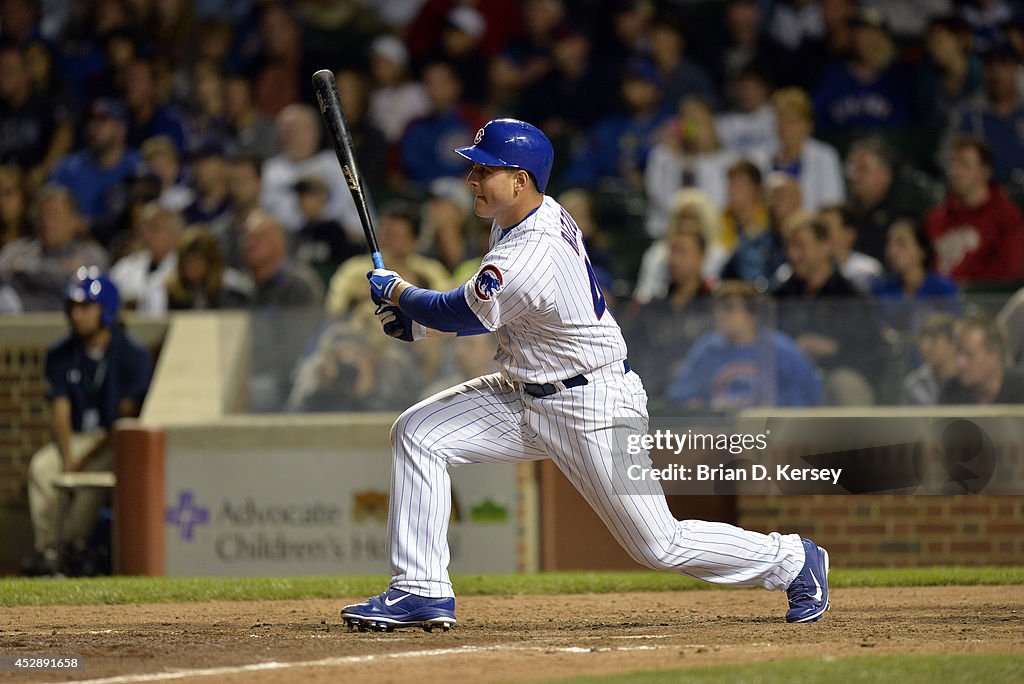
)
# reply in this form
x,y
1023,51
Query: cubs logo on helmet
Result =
x,y
488,282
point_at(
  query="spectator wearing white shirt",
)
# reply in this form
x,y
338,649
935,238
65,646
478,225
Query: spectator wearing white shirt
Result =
x,y
815,164
396,99
689,156
141,276
751,126
298,127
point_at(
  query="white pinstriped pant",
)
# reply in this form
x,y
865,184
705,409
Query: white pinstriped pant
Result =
x,y
491,420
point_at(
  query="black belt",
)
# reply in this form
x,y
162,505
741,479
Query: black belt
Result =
x,y
547,389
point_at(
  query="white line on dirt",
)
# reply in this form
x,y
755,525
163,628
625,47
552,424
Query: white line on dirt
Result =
x,y
348,660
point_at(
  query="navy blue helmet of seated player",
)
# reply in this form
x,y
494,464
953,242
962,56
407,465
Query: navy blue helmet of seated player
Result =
x,y
515,143
90,285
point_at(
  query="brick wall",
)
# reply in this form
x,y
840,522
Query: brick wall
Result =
x,y
24,417
863,531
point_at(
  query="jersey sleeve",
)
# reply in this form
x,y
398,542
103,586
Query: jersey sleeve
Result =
x,y
512,280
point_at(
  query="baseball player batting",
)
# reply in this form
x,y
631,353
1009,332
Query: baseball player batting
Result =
x,y
563,390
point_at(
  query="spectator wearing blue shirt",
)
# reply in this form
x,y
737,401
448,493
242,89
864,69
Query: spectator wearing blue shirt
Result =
x,y
618,145
94,376
426,146
912,289
742,364
997,115
873,88
678,75
147,115
97,175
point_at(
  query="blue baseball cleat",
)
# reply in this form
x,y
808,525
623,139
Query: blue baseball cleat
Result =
x,y
808,592
396,608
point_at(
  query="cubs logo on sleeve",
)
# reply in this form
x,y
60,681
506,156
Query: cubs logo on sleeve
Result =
x,y
488,282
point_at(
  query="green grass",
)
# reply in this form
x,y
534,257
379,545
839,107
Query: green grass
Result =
x,y
115,590
916,669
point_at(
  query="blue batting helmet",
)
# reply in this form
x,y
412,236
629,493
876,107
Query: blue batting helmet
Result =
x,y
89,285
515,143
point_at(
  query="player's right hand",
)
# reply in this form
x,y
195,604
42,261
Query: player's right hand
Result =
x,y
382,284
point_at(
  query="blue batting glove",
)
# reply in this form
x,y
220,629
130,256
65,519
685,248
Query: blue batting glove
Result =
x,y
397,324
382,284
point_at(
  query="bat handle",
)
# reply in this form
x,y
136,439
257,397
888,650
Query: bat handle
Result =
x,y
378,260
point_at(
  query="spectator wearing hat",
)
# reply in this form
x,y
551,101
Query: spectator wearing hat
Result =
x,y
37,268
163,160
96,176
502,19
618,145
212,204
997,114
35,131
321,244
814,164
396,99
461,33
977,230
872,89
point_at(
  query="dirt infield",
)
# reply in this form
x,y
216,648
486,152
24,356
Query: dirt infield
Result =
x,y
523,638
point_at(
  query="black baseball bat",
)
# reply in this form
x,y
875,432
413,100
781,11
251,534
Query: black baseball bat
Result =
x,y
341,138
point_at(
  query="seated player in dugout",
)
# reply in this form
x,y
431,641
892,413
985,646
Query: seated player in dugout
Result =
x,y
94,375
563,389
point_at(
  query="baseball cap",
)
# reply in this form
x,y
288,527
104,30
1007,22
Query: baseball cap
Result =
x,y
390,47
467,20
106,107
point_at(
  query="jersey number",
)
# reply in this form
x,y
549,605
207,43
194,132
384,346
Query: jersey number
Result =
x,y
595,291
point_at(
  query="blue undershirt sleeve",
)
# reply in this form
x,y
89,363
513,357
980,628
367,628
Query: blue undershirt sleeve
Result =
x,y
444,311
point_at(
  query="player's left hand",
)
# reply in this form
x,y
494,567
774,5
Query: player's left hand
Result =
x,y
382,284
397,324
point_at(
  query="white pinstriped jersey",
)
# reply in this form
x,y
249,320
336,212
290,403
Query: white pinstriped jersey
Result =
x,y
537,290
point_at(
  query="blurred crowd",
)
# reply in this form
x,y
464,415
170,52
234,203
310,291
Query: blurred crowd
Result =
x,y
787,202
